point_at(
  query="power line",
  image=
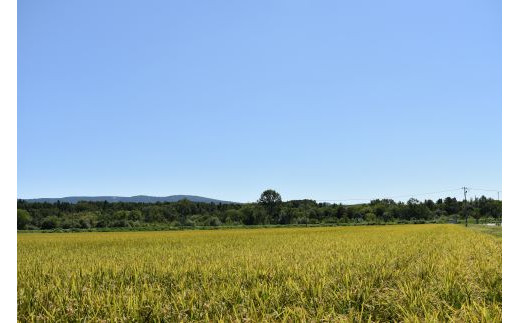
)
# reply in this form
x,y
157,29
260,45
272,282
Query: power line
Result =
x,y
345,200
487,190
466,189
390,197
483,189
429,193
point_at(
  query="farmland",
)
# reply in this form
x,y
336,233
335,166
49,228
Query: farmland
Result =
x,y
426,272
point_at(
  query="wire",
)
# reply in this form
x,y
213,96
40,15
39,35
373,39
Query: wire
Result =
x,y
483,189
429,193
353,199
402,196
390,197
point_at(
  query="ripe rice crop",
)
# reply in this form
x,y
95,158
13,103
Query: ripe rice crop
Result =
x,y
366,273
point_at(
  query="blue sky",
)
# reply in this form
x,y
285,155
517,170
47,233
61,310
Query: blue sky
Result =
x,y
329,100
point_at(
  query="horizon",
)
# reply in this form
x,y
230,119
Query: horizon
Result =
x,y
352,201
336,100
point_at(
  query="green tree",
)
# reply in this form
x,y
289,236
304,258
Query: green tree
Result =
x,y
286,216
370,217
341,211
23,219
50,222
476,214
213,221
430,204
451,205
135,215
496,210
271,201
252,214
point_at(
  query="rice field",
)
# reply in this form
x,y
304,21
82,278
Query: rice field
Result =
x,y
371,273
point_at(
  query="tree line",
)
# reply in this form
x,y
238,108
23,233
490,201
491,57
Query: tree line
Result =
x,y
268,210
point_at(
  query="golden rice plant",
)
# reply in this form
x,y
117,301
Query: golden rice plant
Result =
x,y
374,273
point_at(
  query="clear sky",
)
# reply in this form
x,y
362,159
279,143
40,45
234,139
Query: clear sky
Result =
x,y
328,100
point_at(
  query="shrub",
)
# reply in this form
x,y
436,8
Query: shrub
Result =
x,y
50,222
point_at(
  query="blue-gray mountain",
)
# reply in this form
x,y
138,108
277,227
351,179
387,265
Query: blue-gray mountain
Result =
x,y
129,199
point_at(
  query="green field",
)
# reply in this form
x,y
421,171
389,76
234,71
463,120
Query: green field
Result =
x,y
495,230
372,273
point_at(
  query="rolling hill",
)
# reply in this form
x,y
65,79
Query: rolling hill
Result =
x,y
128,199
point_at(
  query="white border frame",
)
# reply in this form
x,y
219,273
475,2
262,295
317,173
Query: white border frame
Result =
x,y
8,165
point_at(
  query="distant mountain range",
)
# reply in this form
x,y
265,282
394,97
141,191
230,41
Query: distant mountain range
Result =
x,y
130,199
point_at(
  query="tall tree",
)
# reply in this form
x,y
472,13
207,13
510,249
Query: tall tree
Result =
x,y
270,200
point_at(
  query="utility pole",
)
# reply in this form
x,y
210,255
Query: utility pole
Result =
x,y
465,204
498,194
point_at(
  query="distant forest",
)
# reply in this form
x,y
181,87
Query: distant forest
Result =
x,y
268,210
